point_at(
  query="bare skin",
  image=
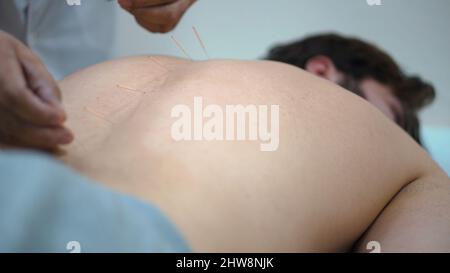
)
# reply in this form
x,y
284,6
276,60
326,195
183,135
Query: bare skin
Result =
x,y
343,172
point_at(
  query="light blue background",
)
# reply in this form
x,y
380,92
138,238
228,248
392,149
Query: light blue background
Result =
x,y
437,140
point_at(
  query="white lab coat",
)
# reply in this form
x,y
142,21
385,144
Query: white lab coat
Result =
x,y
66,37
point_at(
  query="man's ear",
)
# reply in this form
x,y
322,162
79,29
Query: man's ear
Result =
x,y
324,67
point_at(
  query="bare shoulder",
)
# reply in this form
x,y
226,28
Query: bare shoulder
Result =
x,y
326,133
314,112
316,117
337,157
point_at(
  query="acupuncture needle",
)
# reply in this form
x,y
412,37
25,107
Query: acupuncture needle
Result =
x,y
180,47
131,89
197,34
158,63
97,115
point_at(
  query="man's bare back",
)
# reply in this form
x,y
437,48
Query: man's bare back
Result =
x,y
339,163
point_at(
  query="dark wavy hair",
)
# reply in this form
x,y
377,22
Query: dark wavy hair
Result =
x,y
359,60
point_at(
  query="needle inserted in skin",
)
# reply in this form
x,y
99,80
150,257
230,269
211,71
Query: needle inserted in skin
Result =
x,y
197,34
131,89
180,47
97,115
158,63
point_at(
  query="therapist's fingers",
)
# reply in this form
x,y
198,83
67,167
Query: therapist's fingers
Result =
x,y
16,132
41,82
26,88
160,18
150,25
30,110
20,100
136,4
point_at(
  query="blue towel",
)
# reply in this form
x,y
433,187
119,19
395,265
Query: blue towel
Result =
x,y
46,207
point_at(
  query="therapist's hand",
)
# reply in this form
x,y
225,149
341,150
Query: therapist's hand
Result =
x,y
31,114
159,16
